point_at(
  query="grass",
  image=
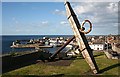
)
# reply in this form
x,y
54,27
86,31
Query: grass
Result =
x,y
77,67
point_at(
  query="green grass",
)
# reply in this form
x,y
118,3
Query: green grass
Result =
x,y
77,67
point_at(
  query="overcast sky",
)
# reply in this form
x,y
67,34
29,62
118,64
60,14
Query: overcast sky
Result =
x,y
49,18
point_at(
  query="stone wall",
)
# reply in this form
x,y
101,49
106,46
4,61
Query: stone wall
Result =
x,y
13,62
114,48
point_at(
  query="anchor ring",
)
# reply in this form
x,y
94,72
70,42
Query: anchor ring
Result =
x,y
82,28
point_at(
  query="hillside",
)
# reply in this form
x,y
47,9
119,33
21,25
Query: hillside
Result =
x,y
77,67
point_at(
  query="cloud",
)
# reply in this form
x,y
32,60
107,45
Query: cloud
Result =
x,y
103,15
63,23
98,12
113,7
17,30
59,12
115,25
15,20
60,0
44,22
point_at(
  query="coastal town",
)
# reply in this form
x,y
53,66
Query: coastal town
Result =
x,y
97,43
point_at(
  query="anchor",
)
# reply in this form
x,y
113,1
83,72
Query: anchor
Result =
x,y
79,35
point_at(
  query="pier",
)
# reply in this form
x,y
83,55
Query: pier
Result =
x,y
31,46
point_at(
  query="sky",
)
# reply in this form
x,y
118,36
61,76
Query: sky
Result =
x,y
49,18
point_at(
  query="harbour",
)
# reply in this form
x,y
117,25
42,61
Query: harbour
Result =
x,y
7,41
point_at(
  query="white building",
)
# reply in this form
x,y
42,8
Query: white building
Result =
x,y
69,46
97,46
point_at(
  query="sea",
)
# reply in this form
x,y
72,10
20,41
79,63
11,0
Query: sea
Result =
x,y
8,39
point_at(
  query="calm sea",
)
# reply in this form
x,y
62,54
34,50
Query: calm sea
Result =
x,y
8,39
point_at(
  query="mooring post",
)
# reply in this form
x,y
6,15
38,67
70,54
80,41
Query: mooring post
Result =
x,y
80,38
